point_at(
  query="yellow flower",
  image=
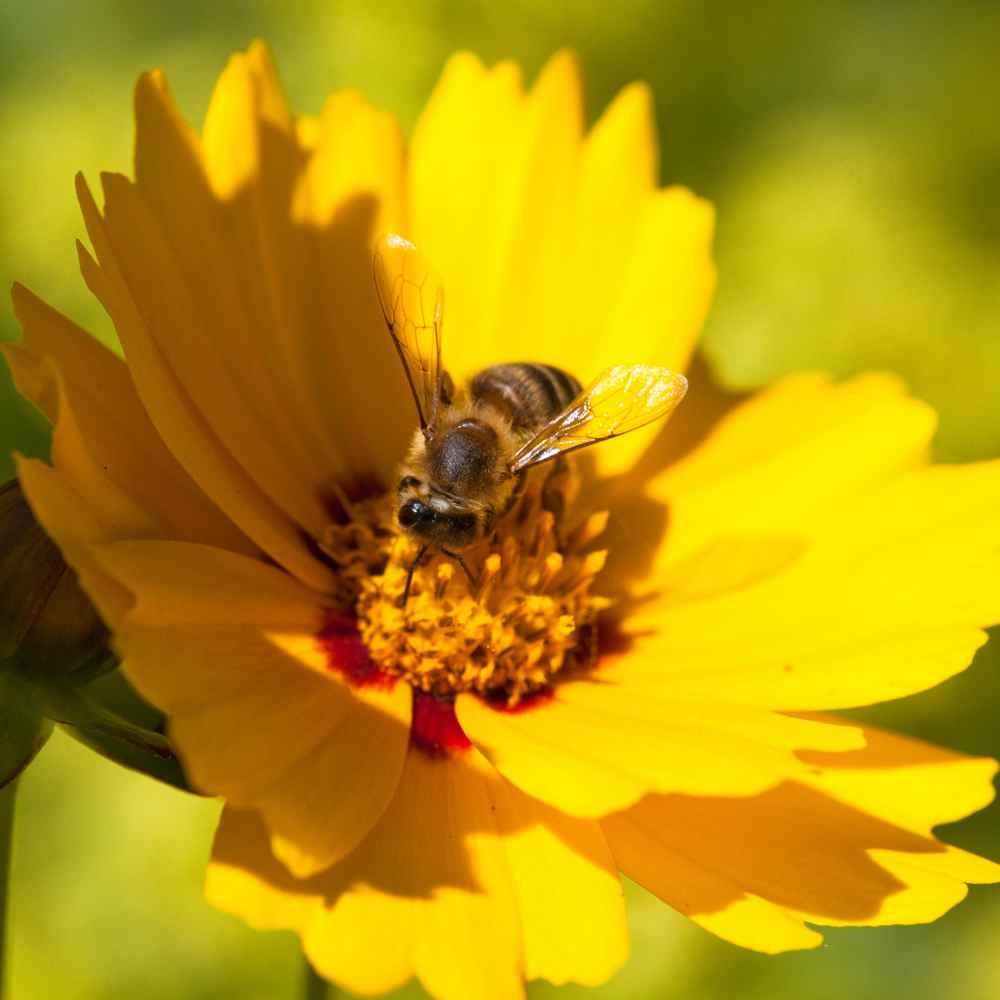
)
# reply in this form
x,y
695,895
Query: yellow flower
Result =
x,y
630,692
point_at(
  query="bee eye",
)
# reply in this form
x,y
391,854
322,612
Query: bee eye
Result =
x,y
416,512
410,513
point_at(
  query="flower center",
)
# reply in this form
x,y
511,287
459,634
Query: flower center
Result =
x,y
523,612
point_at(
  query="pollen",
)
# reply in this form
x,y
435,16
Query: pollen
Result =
x,y
519,611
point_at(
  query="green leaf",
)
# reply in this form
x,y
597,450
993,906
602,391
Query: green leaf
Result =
x,y
112,736
113,691
23,726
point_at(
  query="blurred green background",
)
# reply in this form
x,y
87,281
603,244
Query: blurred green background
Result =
x,y
853,151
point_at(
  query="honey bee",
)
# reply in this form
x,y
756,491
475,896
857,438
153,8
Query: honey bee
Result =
x,y
467,460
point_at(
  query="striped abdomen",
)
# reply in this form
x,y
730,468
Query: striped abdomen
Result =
x,y
529,395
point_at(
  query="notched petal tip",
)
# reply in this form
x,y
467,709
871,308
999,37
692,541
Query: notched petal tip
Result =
x,y
150,86
92,216
463,61
19,294
113,183
631,111
848,844
699,212
562,70
260,52
625,135
272,105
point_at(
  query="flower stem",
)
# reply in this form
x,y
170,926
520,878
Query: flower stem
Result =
x,y
314,987
7,793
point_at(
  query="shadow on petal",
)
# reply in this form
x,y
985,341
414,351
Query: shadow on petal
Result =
x,y
849,845
639,525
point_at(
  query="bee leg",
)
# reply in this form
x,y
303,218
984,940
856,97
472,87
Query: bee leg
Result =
x,y
409,575
473,582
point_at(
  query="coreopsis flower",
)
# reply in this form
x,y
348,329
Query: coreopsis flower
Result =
x,y
626,681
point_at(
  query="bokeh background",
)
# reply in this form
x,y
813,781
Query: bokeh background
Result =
x,y
853,151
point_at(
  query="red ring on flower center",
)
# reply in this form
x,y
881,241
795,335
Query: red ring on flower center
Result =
x,y
435,728
347,655
536,699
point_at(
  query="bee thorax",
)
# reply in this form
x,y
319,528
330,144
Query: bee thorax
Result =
x,y
464,460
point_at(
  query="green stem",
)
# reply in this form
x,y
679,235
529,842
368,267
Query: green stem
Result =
x,y
7,793
313,986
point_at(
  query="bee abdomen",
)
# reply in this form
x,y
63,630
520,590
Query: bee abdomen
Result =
x,y
529,395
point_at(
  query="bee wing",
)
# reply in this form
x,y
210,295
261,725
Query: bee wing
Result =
x,y
412,302
622,399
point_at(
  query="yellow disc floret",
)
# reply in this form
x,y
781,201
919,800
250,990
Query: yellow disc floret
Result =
x,y
519,612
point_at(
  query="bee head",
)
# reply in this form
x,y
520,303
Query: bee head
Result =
x,y
416,513
432,517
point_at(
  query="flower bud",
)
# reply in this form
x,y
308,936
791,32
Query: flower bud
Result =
x,y
47,623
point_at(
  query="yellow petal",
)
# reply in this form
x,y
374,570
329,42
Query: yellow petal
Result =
x,y
188,289
245,878
111,504
759,659
307,131
535,202
634,252
318,759
358,150
305,221
727,564
230,649
290,211
465,883
552,247
784,462
230,146
351,192
567,891
178,188
813,559
274,110
593,748
510,216
661,307
454,218
67,517
175,583
910,783
618,175
891,598
253,165
713,899
437,879
669,278
79,501
427,893
58,360
849,845
176,418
